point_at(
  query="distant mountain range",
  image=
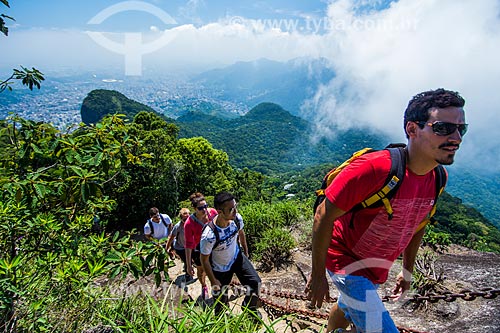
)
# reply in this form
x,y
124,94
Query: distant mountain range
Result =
x,y
288,84
270,140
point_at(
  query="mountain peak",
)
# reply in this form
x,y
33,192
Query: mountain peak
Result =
x,y
267,111
101,102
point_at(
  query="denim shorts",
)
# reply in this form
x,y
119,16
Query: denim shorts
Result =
x,y
361,304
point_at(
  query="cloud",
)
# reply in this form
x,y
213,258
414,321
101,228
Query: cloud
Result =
x,y
383,58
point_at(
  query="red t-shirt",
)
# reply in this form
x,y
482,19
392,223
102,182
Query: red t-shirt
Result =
x,y
372,243
192,229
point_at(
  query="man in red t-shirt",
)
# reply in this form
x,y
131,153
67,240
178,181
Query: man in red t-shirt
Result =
x,y
359,250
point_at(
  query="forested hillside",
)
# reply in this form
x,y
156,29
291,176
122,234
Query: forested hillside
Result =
x,y
63,194
268,139
101,102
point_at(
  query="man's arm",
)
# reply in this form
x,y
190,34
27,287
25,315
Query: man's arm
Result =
x,y
403,280
189,263
169,243
243,241
317,286
205,262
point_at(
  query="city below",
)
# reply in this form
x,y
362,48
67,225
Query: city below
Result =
x,y
60,98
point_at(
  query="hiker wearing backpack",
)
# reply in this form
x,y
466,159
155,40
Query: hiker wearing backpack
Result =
x,y
158,225
358,245
175,244
222,257
192,233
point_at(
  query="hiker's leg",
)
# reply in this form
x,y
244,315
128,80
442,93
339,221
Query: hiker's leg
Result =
x,y
182,255
221,298
200,273
361,304
336,319
249,278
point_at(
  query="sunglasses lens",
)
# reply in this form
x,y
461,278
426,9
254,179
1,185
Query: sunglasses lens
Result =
x,y
202,207
462,129
443,129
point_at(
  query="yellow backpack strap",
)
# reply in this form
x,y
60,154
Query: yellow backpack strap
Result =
x,y
423,224
393,181
382,195
327,180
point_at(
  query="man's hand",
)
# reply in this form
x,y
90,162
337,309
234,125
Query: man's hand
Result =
x,y
402,286
171,254
216,288
190,270
317,290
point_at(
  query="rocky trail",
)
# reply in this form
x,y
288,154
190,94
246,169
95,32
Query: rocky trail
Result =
x,y
462,269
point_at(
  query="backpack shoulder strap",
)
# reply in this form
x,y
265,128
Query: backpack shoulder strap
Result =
x,y
197,221
151,227
328,178
392,182
211,225
441,178
163,220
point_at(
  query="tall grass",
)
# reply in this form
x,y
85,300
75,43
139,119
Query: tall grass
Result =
x,y
147,315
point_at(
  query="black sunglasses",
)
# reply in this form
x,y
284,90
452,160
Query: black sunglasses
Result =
x,y
202,207
442,128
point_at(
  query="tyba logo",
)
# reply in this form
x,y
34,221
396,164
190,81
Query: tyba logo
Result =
x,y
133,49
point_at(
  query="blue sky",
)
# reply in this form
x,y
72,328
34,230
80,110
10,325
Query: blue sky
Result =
x,y
75,14
383,52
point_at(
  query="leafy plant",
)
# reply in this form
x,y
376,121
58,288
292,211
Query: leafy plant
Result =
x,y
438,241
274,249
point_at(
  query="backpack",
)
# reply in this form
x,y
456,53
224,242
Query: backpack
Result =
x,y
211,225
391,184
151,224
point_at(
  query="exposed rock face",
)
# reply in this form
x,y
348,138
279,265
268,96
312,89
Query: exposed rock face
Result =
x,y
463,269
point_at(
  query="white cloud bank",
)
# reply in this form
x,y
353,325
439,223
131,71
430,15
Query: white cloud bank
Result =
x,y
432,44
382,58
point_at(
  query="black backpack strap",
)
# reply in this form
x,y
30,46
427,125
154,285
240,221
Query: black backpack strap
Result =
x,y
163,220
441,178
151,227
211,225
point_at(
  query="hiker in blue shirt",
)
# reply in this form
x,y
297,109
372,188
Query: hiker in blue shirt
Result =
x,y
158,226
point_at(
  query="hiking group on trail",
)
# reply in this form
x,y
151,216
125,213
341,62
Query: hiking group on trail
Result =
x,y
370,209
214,241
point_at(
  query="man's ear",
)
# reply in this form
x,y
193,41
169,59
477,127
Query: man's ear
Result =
x,y
411,129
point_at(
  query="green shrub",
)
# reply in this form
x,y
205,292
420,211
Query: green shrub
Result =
x,y
288,212
274,249
438,241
